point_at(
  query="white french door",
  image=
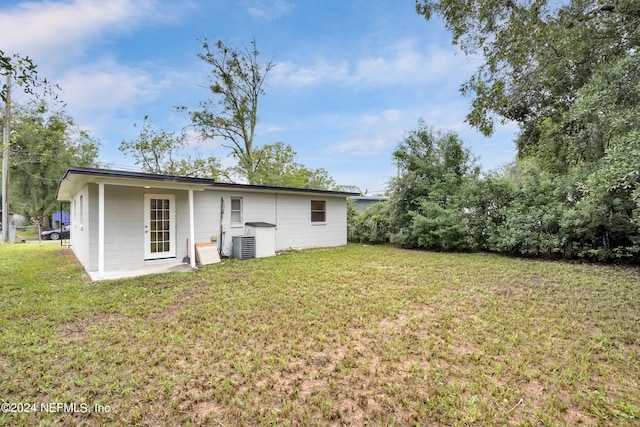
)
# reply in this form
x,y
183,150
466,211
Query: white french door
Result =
x,y
159,226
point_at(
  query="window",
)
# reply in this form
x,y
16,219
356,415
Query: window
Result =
x,y
318,211
81,219
236,210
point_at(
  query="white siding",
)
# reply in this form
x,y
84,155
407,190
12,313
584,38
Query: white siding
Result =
x,y
81,227
124,227
207,216
255,207
292,216
124,222
295,229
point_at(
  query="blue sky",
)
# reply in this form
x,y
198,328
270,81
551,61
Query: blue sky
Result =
x,y
351,77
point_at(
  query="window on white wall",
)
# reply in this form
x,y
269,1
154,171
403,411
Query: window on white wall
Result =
x,y
81,210
236,210
318,211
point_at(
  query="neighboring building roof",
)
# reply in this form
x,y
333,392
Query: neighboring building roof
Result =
x,y
76,176
361,203
370,198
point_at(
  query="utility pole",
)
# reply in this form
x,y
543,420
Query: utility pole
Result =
x,y
6,134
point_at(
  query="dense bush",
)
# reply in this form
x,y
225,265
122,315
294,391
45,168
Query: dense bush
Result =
x,y
371,225
428,205
567,74
440,201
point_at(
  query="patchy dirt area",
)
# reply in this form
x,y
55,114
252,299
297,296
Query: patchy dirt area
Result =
x,y
74,332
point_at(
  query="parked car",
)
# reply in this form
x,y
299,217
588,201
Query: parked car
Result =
x,y
57,233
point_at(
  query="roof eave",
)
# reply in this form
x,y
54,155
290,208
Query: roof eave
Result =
x,y
69,184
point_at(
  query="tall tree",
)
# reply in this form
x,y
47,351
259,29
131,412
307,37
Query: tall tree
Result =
x,y
276,165
538,53
566,72
236,84
25,74
46,143
23,71
606,122
427,203
162,152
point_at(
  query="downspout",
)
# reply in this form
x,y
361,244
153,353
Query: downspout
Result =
x,y
221,232
192,231
101,230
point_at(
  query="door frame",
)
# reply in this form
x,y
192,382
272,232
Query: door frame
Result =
x,y
171,253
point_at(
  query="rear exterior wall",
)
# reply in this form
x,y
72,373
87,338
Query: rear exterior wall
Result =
x,y
124,222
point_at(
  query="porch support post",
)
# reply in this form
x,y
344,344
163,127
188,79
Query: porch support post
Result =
x,y
192,231
101,230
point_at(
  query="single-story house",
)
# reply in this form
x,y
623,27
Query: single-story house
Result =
x,y
124,222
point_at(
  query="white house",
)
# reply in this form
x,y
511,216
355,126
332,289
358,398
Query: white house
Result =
x,y
124,222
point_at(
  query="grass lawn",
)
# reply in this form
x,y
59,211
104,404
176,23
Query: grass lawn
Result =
x,y
27,233
347,336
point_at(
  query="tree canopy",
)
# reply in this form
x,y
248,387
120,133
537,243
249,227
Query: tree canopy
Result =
x,y
441,201
25,73
276,165
162,152
538,53
44,145
566,73
427,201
236,85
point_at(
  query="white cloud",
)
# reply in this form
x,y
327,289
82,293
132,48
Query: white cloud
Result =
x,y
400,63
61,37
267,9
299,76
61,29
102,87
272,128
54,32
403,63
378,133
372,134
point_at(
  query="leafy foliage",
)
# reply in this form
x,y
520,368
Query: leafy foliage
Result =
x,y
428,209
45,144
276,165
440,201
566,73
236,84
531,217
25,73
538,53
371,225
163,152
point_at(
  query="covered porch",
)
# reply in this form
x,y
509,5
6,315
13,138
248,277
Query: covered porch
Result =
x,y
117,229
